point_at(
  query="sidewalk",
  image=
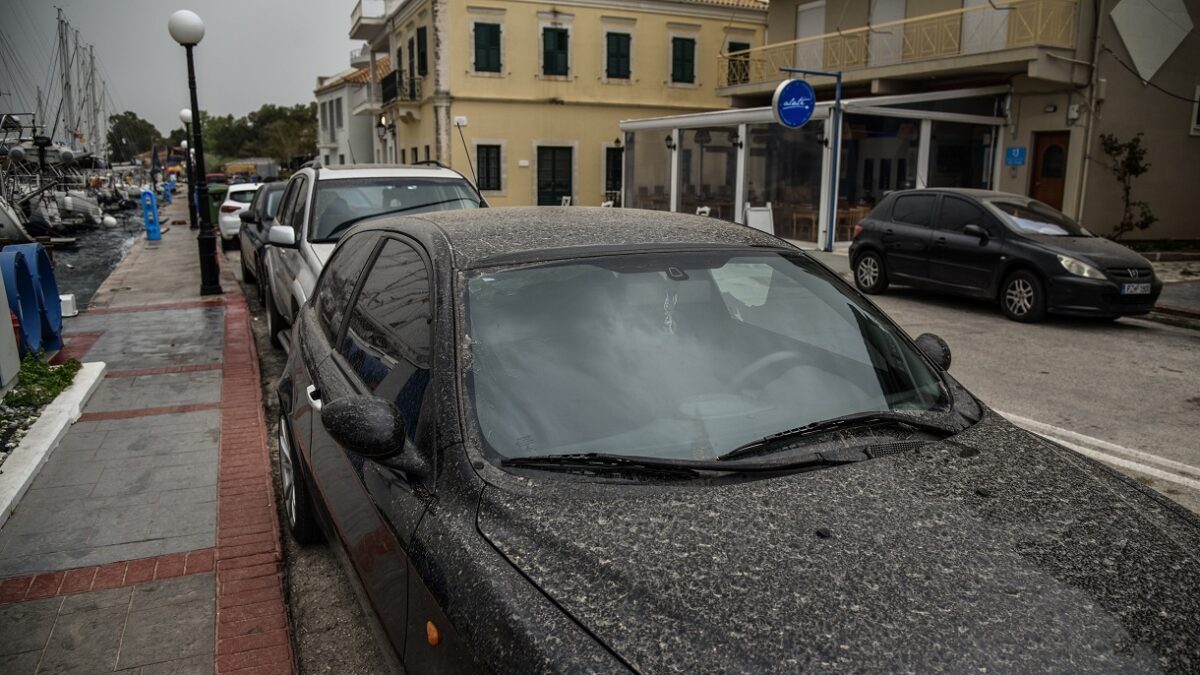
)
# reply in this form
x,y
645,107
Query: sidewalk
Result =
x,y
149,541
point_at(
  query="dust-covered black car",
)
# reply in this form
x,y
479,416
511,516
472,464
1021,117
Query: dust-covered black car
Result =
x,y
1029,257
608,440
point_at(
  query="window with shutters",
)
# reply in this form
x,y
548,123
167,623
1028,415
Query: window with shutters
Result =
x,y
487,47
613,160
488,160
683,60
739,63
618,50
555,45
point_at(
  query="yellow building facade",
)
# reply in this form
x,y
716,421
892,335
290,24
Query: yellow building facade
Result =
x,y
527,97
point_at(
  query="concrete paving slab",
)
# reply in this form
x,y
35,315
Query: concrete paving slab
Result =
x,y
187,627
26,626
81,642
130,393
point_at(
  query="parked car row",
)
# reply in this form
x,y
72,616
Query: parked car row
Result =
x,y
611,440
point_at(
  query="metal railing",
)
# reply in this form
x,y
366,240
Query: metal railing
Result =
x,y
396,87
970,30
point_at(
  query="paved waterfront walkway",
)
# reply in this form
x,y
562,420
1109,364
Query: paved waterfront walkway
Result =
x,y
149,543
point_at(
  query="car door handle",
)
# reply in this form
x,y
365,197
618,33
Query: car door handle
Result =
x,y
314,397
941,241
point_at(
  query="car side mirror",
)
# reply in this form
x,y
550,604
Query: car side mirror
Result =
x,y
281,235
248,217
935,348
976,231
367,425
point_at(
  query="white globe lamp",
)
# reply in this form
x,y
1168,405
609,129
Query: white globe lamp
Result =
x,y
186,28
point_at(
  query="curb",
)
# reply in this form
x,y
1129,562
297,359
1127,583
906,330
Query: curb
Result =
x,y
1177,311
23,465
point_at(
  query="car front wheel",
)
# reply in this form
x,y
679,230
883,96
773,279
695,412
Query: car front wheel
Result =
x,y
1022,297
297,503
869,275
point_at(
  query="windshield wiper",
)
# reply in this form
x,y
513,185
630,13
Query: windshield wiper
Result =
x,y
344,225
866,419
690,468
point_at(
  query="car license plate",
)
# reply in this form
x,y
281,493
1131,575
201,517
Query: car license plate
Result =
x,y
1135,289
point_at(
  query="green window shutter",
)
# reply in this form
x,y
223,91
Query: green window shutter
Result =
x,y
554,51
422,51
489,167
487,47
683,60
618,56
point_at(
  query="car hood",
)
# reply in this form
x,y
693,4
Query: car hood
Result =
x,y
1099,251
993,550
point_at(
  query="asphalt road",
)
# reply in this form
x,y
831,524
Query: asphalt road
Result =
x,y
1126,392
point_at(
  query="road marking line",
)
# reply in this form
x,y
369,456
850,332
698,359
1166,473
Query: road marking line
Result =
x,y
1111,453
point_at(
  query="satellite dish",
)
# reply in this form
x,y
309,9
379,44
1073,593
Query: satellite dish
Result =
x,y
16,153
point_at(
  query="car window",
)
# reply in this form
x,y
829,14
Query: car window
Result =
x,y
272,202
296,217
914,209
388,335
344,201
1038,218
956,213
338,280
285,204
242,196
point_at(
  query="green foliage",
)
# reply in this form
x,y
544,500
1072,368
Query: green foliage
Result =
x,y
38,383
1128,162
130,135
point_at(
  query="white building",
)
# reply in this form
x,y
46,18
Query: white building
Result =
x,y
342,137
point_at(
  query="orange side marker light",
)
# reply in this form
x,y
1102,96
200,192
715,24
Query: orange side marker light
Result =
x,y
432,634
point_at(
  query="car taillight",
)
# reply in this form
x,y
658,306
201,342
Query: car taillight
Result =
x,y
230,208
857,228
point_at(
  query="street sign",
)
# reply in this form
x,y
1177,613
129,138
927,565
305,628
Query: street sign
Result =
x,y
794,103
1014,156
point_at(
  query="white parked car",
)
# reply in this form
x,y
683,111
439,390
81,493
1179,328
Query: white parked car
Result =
x,y
230,217
320,203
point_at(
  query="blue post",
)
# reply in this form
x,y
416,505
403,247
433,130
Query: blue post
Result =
x,y
150,215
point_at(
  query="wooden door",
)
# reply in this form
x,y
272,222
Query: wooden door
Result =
x,y
553,175
1049,169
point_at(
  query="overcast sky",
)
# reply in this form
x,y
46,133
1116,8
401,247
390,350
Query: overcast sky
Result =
x,y
253,52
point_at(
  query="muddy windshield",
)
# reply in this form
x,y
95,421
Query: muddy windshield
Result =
x,y
677,355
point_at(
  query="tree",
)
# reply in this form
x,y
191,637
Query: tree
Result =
x,y
176,137
129,136
1128,162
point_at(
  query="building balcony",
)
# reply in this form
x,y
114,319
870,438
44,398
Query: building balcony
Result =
x,y
368,20
361,57
1008,37
396,88
370,102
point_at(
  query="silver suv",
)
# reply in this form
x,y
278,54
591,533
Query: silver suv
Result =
x,y
320,203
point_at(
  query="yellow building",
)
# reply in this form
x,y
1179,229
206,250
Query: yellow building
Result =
x,y
527,96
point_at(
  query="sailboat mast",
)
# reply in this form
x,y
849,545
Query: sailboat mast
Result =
x,y
64,59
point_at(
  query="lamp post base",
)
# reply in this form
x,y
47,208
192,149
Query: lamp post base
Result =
x,y
210,282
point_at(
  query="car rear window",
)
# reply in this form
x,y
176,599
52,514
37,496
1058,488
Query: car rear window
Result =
x,y
914,209
242,196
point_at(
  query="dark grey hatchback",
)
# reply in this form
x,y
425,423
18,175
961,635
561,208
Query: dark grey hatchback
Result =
x,y
1029,257
607,440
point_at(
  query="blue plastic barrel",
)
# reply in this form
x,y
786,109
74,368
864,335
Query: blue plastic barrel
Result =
x,y
22,299
47,288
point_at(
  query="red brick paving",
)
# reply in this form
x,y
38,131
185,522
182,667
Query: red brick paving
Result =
x,y
168,370
163,307
76,346
146,412
252,626
102,577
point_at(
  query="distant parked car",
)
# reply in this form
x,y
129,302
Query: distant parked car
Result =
x,y
236,200
256,221
579,440
320,203
1029,257
215,177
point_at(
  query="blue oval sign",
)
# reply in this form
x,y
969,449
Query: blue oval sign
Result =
x,y
794,103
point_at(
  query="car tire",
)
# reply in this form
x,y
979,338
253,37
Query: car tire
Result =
x,y
869,274
248,277
297,502
274,319
1023,297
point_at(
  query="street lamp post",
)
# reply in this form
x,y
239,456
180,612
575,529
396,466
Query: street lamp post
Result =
x,y
185,116
187,29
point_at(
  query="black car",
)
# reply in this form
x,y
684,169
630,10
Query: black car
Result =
x,y
609,440
1029,257
257,220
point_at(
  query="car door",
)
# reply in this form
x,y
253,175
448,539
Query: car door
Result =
x,y
964,262
906,235
291,259
278,272
384,351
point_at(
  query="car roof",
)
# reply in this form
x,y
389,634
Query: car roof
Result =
x,y
243,187
384,171
480,237
968,192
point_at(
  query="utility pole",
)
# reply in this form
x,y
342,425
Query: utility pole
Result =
x,y
64,62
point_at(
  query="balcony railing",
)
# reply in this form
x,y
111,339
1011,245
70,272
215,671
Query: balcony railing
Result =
x,y
396,87
970,30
